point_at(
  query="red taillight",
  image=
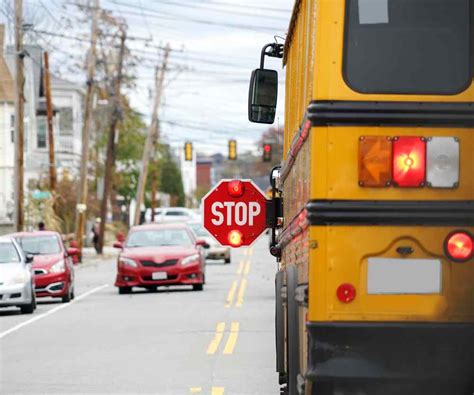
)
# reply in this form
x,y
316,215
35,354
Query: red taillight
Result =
x,y
409,161
235,238
459,246
346,293
235,188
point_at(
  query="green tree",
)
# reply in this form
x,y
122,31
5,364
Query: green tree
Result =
x,y
170,180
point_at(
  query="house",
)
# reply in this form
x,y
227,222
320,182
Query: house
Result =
x,y
7,130
67,99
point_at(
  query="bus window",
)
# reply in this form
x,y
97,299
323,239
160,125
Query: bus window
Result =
x,y
408,46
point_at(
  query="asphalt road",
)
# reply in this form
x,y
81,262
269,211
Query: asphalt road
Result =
x,y
173,341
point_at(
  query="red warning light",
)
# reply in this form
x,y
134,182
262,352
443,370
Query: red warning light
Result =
x,y
267,148
235,188
459,246
235,238
346,293
409,161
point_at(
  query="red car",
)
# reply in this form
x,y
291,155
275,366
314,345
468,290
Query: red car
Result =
x,y
52,263
160,254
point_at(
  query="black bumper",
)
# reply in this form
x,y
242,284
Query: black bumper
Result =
x,y
390,351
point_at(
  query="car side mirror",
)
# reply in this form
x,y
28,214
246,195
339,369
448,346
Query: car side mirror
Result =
x,y
119,245
263,94
202,243
29,258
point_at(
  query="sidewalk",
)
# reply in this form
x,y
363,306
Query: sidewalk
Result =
x,y
90,256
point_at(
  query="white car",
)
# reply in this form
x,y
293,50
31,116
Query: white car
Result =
x,y
215,250
16,277
170,215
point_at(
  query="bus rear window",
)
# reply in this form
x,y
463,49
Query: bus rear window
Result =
x,y
408,46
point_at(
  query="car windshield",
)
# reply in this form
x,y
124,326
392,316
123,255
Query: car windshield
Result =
x,y
199,230
8,253
40,245
177,213
409,46
158,238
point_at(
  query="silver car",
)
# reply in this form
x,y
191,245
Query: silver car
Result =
x,y
215,250
16,277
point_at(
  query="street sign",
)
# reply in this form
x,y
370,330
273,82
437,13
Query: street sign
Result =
x,y
235,212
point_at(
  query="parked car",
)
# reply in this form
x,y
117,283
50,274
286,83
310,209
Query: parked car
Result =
x,y
215,250
160,254
53,266
16,277
170,215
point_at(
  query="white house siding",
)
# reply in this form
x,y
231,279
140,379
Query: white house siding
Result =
x,y
7,110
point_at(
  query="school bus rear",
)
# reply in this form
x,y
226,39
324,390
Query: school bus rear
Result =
x,y
378,190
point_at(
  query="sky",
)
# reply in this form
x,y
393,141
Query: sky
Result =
x,y
215,46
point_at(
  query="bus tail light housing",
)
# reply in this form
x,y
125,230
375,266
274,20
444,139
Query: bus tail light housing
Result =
x,y
459,246
409,161
346,293
442,162
375,161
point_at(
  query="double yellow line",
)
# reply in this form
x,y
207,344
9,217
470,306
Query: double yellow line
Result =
x,y
233,291
219,335
214,390
242,270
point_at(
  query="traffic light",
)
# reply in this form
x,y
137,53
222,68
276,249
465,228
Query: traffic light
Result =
x,y
267,152
188,151
232,150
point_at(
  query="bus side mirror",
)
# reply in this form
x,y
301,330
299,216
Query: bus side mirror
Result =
x,y
263,93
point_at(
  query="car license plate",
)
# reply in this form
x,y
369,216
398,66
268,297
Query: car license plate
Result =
x,y
159,276
404,276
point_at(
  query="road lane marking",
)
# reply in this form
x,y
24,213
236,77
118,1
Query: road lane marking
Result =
x,y
247,268
195,390
240,297
241,267
217,391
52,311
231,294
250,251
214,344
232,340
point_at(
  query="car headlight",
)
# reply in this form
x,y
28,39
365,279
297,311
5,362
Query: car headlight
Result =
x,y
127,262
18,278
189,259
58,267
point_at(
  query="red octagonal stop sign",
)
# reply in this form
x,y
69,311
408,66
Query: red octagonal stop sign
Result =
x,y
235,212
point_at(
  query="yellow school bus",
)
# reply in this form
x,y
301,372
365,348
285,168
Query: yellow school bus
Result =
x,y
375,288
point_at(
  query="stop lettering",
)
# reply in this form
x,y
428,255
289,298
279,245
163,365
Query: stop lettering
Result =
x,y
235,212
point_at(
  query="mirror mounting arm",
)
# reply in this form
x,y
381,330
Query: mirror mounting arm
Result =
x,y
273,50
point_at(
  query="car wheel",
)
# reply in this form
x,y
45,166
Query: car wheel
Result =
x,y
28,308
198,287
67,298
124,290
227,261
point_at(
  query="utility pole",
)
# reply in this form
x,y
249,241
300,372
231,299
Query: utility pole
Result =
x,y
19,117
110,160
154,190
49,112
152,136
82,198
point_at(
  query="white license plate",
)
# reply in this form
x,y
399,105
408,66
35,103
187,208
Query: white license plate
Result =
x,y
404,276
159,276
